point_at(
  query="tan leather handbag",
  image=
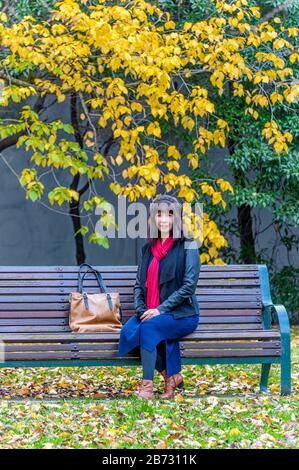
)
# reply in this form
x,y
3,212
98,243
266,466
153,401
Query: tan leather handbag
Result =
x,y
94,312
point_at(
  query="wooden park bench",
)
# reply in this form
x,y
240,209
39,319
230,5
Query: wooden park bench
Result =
x,y
234,328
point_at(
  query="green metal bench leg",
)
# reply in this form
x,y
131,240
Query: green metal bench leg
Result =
x,y
285,377
264,378
286,366
284,326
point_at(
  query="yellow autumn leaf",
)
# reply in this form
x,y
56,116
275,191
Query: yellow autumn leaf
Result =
x,y
234,432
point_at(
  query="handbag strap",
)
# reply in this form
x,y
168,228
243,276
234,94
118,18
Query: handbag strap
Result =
x,y
101,283
97,273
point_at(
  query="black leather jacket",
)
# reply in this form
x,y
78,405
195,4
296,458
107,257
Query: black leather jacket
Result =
x,y
177,281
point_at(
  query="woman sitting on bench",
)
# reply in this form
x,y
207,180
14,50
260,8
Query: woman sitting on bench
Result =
x,y
166,308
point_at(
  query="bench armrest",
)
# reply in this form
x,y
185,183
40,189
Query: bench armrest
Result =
x,y
267,304
265,295
284,326
283,319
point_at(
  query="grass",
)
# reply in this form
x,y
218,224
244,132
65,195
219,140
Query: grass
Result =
x,y
84,407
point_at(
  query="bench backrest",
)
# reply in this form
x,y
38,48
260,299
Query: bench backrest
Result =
x,y
35,299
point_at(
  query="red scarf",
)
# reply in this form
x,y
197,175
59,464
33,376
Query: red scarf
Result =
x,y
159,251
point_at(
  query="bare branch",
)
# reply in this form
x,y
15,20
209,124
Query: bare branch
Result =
x,y
16,81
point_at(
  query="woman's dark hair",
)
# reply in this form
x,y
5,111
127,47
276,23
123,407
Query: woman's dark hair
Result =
x,y
165,202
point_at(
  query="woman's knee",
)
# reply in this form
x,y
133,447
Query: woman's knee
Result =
x,y
188,331
143,327
146,329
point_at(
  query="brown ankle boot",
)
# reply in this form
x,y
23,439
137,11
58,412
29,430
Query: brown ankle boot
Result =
x,y
172,383
146,389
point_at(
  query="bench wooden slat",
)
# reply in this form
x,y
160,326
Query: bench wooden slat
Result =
x,y
65,305
125,284
65,321
231,326
61,328
121,269
127,313
232,353
46,290
32,329
105,336
122,273
126,299
32,321
231,344
12,356
77,346
28,356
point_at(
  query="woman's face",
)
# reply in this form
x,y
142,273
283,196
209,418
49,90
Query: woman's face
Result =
x,y
164,221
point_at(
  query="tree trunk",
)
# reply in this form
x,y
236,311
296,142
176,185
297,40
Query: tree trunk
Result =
x,y
74,206
74,210
247,253
247,242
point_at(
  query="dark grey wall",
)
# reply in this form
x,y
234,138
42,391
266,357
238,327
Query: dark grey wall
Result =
x,y
41,234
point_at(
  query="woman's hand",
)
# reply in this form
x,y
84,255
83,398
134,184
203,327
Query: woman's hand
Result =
x,y
150,313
